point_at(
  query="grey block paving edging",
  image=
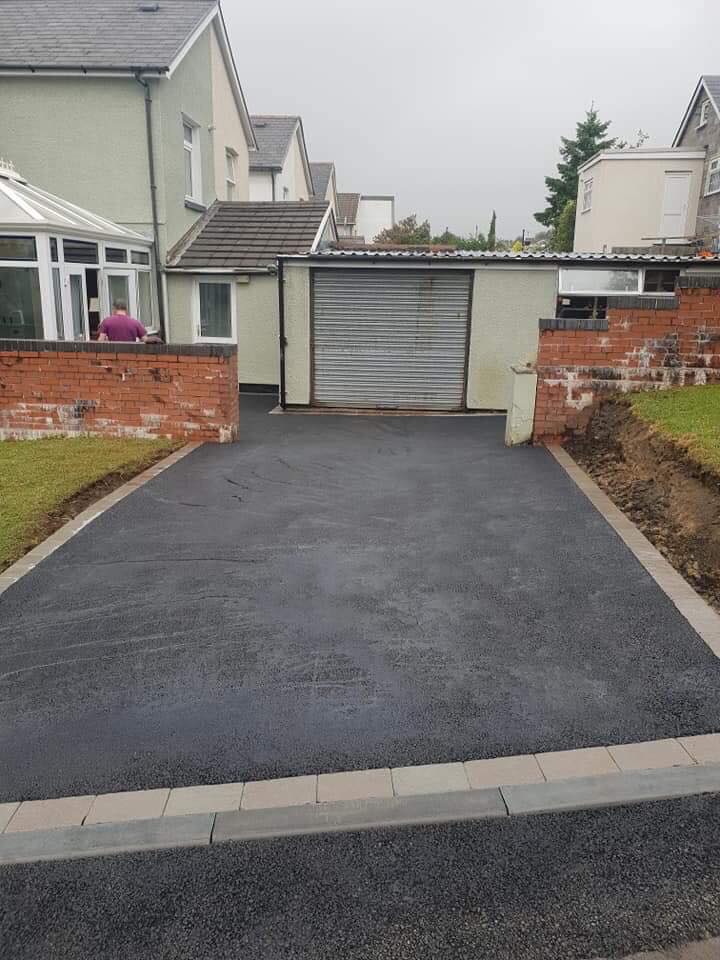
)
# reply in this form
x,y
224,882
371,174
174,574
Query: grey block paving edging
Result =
x,y
699,614
210,828
61,536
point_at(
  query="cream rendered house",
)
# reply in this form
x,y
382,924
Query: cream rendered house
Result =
x,y
280,169
131,109
638,198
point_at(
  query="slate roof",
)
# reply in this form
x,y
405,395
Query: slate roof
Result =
x,y
712,85
321,174
348,207
97,33
273,135
248,236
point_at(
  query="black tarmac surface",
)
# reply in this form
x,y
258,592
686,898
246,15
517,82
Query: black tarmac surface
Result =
x,y
562,887
335,593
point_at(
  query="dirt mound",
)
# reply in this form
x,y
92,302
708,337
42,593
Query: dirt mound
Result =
x,y
674,500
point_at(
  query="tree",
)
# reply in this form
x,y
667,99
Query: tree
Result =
x,y
564,235
491,232
407,231
590,136
517,247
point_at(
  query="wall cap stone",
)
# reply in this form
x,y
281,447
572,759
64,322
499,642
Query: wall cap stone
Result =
x,y
144,349
572,323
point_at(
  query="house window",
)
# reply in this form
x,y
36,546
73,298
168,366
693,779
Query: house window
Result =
x,y
704,113
230,174
115,255
193,188
712,184
215,311
79,251
140,257
600,282
587,195
660,281
286,193
17,248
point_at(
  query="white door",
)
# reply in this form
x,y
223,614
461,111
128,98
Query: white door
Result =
x,y
676,197
119,285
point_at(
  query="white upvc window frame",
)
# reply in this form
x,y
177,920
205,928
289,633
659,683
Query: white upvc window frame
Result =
x,y
704,113
231,159
599,292
197,329
713,168
587,192
192,148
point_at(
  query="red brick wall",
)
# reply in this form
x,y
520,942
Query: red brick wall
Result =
x,y
136,390
643,348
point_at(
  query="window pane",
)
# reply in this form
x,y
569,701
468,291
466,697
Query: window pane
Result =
x,y
20,306
53,250
230,165
17,248
188,174
118,292
188,133
57,297
115,255
215,318
230,190
77,301
140,256
77,251
145,302
598,281
660,281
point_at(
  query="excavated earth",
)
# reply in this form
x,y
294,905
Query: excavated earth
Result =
x,y
671,497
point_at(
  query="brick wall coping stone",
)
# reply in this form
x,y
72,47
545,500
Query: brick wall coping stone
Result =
x,y
95,346
643,302
572,323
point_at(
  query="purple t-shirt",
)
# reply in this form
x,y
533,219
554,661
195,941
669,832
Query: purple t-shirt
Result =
x,y
119,326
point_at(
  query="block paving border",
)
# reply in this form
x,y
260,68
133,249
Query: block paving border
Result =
x,y
61,536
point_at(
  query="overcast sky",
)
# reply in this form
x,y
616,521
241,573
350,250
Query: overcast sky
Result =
x,y
457,107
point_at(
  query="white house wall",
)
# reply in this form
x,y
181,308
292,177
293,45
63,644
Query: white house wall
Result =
x,y
373,216
261,185
228,130
293,175
627,201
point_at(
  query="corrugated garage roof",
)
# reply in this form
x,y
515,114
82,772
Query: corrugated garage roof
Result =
x,y
506,256
248,236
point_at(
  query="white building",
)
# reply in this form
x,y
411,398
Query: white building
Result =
x,y
279,169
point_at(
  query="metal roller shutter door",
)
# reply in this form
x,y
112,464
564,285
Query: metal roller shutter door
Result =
x,y
390,338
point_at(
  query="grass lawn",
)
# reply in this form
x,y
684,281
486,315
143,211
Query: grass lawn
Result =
x,y
691,415
39,477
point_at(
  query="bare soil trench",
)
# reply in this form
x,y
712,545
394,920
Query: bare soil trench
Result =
x,y
674,500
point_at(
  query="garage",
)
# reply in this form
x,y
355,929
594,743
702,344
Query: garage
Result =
x,y
390,339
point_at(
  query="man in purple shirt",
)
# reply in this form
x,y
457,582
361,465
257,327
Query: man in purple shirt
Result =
x,y
119,326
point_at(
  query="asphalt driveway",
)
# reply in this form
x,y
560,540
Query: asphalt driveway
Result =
x,y
335,593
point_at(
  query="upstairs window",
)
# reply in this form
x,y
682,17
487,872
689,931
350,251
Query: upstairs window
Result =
x,y
712,184
230,174
704,113
587,195
193,188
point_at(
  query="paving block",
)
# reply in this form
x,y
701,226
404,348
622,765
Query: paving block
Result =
x,y
650,755
354,785
503,771
585,762
6,812
106,838
704,748
283,792
130,805
50,814
586,792
358,815
207,799
429,778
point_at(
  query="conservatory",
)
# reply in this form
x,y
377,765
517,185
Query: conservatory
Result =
x,y
62,268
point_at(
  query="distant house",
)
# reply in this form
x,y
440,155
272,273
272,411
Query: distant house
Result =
x,y
222,277
324,183
700,130
638,198
132,109
280,169
362,217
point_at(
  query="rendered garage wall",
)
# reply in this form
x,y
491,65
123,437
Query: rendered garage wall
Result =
x,y
507,304
258,330
297,334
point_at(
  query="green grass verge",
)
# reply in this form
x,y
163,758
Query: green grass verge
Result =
x,y
690,415
38,476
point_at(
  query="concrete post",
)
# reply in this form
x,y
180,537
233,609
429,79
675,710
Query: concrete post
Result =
x,y
521,405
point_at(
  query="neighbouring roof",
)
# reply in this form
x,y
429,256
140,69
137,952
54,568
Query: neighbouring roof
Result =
x,y
495,255
97,34
321,174
708,85
644,153
274,136
348,207
26,209
244,236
